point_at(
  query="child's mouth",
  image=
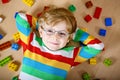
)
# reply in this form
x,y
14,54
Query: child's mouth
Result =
x,y
54,43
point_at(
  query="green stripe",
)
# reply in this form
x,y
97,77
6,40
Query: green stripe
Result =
x,y
92,50
22,22
78,35
40,74
67,48
39,40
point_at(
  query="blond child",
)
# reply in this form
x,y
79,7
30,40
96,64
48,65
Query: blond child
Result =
x,y
46,57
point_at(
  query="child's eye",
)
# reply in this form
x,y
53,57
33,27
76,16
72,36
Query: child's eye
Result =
x,y
50,31
62,34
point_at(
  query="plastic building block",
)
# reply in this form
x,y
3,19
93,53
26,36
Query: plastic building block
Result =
x,y
107,62
102,32
45,9
93,61
5,45
97,12
86,76
88,4
15,14
1,36
5,60
88,18
15,46
16,36
28,2
13,66
15,78
72,8
108,22
5,1
1,19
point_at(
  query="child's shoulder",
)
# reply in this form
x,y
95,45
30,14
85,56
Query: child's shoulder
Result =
x,y
73,43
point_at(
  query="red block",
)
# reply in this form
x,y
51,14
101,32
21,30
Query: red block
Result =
x,y
97,12
5,1
88,18
5,45
88,4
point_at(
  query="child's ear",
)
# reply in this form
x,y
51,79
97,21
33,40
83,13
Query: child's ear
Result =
x,y
40,31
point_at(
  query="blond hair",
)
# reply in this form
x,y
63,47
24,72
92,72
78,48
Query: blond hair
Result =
x,y
56,15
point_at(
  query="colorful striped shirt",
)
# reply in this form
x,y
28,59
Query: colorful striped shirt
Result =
x,y
40,63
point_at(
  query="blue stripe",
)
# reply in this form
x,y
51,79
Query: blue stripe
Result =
x,y
84,37
25,31
44,68
85,54
22,21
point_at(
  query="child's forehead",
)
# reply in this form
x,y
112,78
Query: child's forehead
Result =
x,y
60,25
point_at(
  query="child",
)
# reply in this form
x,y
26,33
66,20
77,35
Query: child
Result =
x,y
47,57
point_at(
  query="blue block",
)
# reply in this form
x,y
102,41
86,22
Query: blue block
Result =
x,y
15,46
102,32
1,36
15,14
108,22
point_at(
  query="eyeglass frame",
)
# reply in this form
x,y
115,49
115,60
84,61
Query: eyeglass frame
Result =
x,y
53,32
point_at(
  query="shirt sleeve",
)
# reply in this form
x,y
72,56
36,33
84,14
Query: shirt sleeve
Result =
x,y
25,24
92,46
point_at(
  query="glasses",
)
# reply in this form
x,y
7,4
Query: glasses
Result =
x,y
61,33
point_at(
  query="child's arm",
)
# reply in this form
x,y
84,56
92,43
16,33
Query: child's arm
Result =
x,y
92,46
25,23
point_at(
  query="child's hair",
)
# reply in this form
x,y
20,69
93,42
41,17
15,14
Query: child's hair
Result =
x,y
56,15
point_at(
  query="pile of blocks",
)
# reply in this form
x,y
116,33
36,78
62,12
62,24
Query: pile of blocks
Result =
x,y
97,13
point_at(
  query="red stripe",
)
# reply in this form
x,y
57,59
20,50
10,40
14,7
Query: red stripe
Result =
x,y
94,41
46,54
29,18
20,42
51,56
76,63
76,52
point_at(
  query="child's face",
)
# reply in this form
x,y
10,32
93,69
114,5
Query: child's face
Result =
x,y
55,37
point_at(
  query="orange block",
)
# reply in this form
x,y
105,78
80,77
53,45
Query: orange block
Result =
x,y
5,45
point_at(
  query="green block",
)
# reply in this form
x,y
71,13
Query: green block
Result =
x,y
107,62
86,76
15,78
5,60
72,8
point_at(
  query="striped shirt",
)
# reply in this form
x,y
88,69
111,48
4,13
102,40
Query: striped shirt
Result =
x,y
40,63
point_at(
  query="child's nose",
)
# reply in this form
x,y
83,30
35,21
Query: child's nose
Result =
x,y
56,35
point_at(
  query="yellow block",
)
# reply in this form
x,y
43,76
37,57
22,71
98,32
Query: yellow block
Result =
x,y
28,2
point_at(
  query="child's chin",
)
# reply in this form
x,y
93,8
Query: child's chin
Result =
x,y
53,49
